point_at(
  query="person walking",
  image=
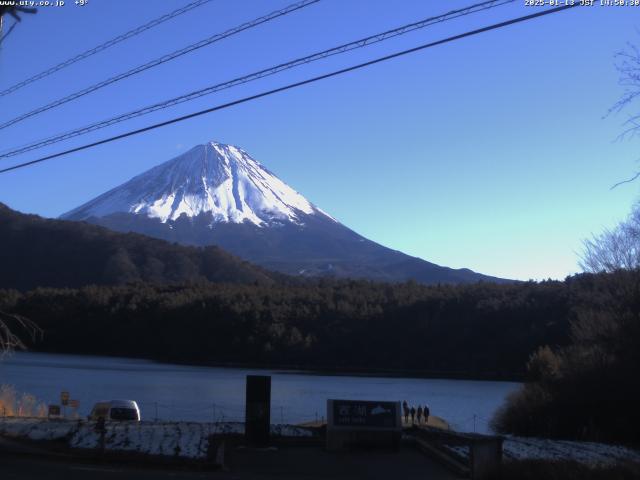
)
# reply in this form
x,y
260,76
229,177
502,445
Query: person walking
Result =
x,y
419,414
413,415
405,409
426,412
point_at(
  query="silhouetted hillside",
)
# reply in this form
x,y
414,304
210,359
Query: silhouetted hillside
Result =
x,y
38,252
483,330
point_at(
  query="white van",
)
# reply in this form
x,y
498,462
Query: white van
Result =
x,y
118,410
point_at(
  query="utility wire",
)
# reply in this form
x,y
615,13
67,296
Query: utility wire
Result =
x,y
104,46
290,86
363,42
165,58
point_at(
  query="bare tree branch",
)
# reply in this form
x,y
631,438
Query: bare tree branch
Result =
x,y
629,180
9,324
614,249
627,63
628,66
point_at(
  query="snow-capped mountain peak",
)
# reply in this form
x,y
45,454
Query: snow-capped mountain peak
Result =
x,y
214,178
216,194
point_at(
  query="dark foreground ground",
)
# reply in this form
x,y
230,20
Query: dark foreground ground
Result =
x,y
287,462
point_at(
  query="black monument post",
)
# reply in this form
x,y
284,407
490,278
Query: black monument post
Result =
x,y
258,410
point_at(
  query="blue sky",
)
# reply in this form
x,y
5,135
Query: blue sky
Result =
x,y
490,153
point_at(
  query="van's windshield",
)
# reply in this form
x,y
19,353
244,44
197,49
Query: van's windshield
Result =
x,y
123,413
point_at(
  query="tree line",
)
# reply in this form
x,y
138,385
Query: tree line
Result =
x,y
482,330
587,389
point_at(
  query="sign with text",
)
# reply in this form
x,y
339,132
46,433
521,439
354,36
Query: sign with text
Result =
x,y
64,398
363,414
74,403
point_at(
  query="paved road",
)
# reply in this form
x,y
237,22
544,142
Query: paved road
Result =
x,y
298,463
30,468
316,464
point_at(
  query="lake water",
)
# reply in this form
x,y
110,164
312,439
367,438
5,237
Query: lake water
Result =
x,y
179,392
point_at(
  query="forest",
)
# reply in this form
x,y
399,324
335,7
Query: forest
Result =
x,y
587,389
92,291
574,342
481,330
95,291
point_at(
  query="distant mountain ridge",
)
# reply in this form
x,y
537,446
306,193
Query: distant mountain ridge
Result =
x,y
39,252
216,194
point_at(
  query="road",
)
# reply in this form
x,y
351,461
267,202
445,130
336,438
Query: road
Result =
x,y
294,463
31,468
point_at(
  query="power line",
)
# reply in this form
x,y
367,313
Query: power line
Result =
x,y
260,74
104,46
295,85
165,58
361,43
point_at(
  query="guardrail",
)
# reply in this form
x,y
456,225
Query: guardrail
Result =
x,y
468,454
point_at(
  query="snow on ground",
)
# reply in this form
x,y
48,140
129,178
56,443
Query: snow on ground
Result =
x,y
459,451
179,439
276,430
289,431
520,448
589,453
33,429
191,440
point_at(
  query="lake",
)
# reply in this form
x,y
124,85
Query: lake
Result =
x,y
182,392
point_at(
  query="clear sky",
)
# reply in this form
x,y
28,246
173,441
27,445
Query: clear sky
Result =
x,y
490,153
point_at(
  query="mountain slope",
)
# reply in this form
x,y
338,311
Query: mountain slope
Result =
x,y
221,180
37,252
216,194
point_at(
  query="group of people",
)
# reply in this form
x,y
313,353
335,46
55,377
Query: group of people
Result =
x,y
420,414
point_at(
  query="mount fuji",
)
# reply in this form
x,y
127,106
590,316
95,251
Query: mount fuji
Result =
x,y
216,194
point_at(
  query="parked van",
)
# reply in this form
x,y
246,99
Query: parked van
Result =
x,y
118,410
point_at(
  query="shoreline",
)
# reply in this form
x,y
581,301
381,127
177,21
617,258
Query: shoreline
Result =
x,y
329,371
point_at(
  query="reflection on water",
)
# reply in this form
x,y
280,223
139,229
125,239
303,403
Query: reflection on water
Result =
x,y
177,392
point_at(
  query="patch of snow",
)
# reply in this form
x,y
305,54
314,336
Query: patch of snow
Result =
x,y
214,178
181,439
520,448
36,428
290,431
525,448
85,437
460,451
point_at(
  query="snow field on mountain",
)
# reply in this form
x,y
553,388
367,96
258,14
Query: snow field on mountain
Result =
x,y
221,180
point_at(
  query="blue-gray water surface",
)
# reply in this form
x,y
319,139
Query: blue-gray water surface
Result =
x,y
182,392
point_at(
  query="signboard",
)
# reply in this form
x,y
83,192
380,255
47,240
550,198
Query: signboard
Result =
x,y
54,411
64,398
258,409
363,423
74,403
363,414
